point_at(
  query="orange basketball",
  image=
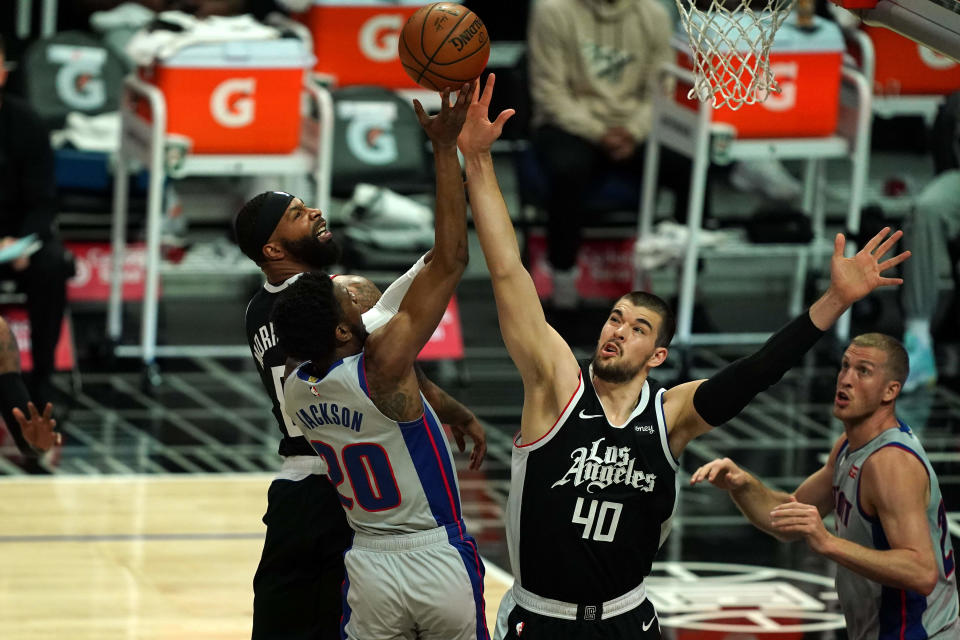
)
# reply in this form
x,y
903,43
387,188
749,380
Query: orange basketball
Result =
x,y
443,45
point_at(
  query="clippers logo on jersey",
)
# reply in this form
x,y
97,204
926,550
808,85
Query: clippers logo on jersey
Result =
x,y
317,415
264,339
605,62
614,466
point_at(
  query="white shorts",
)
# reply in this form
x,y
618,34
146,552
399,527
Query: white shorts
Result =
x,y
426,585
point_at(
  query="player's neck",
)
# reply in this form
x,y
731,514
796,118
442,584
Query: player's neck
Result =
x,y
281,270
860,432
619,399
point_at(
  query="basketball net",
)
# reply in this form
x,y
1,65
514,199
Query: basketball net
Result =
x,y
730,43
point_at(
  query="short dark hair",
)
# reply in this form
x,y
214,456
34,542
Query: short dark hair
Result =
x,y
305,317
898,362
668,321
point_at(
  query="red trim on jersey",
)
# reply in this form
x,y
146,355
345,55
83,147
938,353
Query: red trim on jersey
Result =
x,y
443,473
553,426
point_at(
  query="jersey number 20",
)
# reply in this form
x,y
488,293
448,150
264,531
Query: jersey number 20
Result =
x,y
369,471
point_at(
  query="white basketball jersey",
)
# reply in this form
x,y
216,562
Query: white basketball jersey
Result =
x,y
392,477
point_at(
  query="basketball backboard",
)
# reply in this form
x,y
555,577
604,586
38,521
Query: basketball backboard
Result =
x,y
934,23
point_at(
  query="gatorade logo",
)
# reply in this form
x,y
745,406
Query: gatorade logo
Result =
x,y
379,37
79,80
786,75
371,142
232,104
933,59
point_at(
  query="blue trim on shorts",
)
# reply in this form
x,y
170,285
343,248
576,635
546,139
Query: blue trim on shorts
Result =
x,y
466,546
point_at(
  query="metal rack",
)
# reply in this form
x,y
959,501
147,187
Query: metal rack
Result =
x,y
148,143
693,133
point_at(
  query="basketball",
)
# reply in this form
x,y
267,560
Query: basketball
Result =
x,y
443,45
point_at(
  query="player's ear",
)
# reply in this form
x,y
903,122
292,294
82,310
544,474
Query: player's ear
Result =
x,y
892,391
273,251
343,333
659,355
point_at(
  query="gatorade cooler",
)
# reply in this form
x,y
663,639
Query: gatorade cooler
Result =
x,y
355,41
807,65
905,67
233,97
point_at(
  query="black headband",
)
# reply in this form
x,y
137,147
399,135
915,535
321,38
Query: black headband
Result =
x,y
268,217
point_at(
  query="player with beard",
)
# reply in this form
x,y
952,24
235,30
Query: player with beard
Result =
x,y
412,570
298,580
595,461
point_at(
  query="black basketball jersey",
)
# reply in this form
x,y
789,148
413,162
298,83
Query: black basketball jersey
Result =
x,y
271,362
590,503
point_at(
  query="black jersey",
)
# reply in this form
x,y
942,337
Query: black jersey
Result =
x,y
591,503
271,362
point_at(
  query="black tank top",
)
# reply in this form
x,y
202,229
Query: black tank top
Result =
x,y
271,362
591,503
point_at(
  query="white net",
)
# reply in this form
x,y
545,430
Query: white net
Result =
x,y
730,42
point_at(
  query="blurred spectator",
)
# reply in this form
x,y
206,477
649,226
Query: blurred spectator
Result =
x,y
28,205
76,14
932,225
593,70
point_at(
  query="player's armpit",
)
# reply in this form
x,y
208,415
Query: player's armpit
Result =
x,y
817,489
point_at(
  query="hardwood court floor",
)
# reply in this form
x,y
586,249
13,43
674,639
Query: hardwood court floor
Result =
x,y
136,557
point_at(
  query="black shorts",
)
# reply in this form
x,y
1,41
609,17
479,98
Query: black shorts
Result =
x,y
640,623
297,585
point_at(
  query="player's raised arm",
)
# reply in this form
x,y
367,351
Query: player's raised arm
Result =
x,y
395,347
538,351
696,407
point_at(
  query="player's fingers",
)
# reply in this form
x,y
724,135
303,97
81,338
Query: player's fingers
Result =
x,y
839,242
32,408
58,439
461,443
889,243
488,90
501,120
19,417
48,411
463,95
894,261
445,100
876,240
421,114
890,282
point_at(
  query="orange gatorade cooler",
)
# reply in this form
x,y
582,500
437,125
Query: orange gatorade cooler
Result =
x,y
807,66
905,67
355,41
233,97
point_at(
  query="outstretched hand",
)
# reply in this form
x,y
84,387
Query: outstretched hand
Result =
x,y
722,473
854,278
443,128
474,430
478,132
38,430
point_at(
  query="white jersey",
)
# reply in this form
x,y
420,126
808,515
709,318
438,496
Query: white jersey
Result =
x,y
874,611
392,477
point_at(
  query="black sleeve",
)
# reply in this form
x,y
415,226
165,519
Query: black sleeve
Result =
x,y
13,394
726,393
38,182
